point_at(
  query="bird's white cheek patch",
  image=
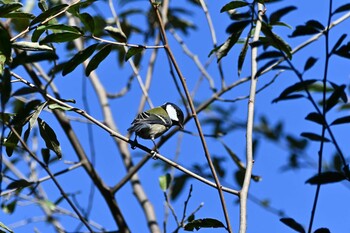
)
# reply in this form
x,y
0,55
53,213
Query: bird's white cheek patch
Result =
x,y
172,112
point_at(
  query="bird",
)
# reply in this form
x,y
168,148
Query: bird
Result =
x,y
154,122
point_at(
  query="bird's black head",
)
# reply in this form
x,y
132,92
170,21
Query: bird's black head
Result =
x,y
175,113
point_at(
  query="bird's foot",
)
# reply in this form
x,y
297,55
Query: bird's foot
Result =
x,y
133,144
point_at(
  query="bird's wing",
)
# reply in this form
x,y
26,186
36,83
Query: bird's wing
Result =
x,y
144,119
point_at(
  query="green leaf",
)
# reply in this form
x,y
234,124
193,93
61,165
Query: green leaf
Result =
x,y
24,91
133,51
5,88
97,59
3,226
338,92
297,87
55,28
322,230
314,137
7,8
242,56
49,13
293,224
237,26
178,184
339,42
33,119
19,15
116,34
60,37
233,5
276,41
310,63
12,140
311,27
5,48
164,181
31,46
343,51
326,178
23,58
45,153
315,117
22,183
79,58
88,21
269,55
60,107
341,120
345,7
203,223
9,208
222,50
49,136
276,16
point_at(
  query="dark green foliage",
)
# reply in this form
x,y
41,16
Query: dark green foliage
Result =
x,y
297,87
293,224
314,137
47,14
133,51
203,223
50,138
97,59
326,178
310,63
311,27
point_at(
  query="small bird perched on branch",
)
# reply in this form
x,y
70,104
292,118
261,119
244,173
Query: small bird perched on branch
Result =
x,y
155,122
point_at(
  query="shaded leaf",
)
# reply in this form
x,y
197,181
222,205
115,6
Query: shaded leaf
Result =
x,y
33,119
60,37
242,56
237,26
5,88
268,55
10,207
345,7
116,33
133,51
288,97
339,42
49,136
276,41
88,21
23,58
326,178
45,153
97,59
338,92
343,51
22,183
239,177
322,230
164,181
31,46
178,185
299,86
310,63
341,120
19,15
315,117
311,27
7,8
5,48
277,15
293,224
315,137
12,140
47,14
79,58
203,223
24,91
233,5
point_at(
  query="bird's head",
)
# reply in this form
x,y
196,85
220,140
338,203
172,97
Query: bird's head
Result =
x,y
175,113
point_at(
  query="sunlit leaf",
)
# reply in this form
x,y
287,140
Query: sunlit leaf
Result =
x,y
31,46
60,37
116,33
203,223
293,224
79,58
3,226
164,181
326,178
50,138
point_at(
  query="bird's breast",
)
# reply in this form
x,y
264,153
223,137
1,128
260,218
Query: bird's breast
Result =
x,y
153,131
